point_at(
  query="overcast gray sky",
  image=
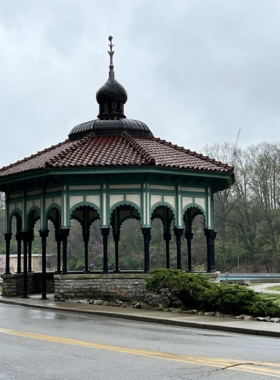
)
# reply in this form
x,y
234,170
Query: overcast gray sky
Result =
x,y
195,70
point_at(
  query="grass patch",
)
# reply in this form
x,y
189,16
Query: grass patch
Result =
x,y
277,288
275,298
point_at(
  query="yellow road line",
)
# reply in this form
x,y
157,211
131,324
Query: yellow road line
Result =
x,y
262,368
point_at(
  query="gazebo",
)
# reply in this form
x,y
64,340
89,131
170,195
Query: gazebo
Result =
x,y
109,169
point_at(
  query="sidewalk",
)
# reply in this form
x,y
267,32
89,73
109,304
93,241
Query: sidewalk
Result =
x,y
152,316
263,288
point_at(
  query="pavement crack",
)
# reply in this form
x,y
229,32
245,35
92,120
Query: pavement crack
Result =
x,y
235,365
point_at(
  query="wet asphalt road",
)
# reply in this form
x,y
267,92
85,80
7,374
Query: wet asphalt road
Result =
x,y
40,344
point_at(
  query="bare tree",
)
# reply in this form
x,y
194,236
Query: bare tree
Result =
x,y
243,217
224,202
264,182
247,215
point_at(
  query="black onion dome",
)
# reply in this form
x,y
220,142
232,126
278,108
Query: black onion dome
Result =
x,y
113,127
112,96
111,91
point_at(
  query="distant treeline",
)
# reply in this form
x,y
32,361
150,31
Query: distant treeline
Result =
x,y
247,216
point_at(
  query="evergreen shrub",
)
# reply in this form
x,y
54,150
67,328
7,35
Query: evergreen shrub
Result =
x,y
193,291
177,285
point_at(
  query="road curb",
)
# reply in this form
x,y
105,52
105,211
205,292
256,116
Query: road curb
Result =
x,y
150,319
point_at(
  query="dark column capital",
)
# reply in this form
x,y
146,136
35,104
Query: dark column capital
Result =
x,y
19,237
210,233
178,231
167,236
25,235
188,235
44,233
30,236
8,236
64,232
105,231
146,231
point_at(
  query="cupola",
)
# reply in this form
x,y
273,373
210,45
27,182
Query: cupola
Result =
x,y
111,121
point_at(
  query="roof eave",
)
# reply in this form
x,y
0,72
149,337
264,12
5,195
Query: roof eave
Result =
x,y
218,180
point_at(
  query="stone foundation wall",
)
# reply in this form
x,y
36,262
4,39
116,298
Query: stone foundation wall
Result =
x,y
13,284
109,287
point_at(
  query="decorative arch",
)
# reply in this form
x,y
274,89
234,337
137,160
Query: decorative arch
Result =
x,y
33,215
162,204
125,203
121,212
53,206
190,205
166,218
189,214
56,220
83,204
17,213
83,216
118,215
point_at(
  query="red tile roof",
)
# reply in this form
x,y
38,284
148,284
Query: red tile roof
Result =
x,y
36,161
122,150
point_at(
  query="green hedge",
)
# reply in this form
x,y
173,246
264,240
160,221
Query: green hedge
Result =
x,y
193,291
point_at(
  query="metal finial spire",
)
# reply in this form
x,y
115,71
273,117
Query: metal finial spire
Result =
x,y
111,53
